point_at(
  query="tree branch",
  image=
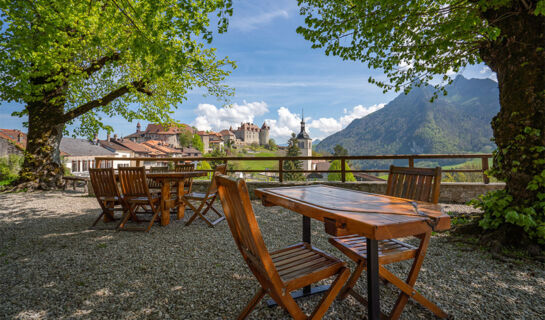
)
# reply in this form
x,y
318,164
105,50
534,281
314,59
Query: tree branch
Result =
x,y
84,108
98,64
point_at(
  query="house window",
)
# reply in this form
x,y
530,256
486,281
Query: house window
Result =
x,y
74,166
84,165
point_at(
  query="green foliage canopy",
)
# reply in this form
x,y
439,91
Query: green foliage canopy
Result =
x,y
104,56
197,143
336,176
289,165
412,41
185,138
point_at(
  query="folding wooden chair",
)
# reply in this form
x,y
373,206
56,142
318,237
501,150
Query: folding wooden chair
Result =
x,y
107,193
421,184
186,167
134,186
205,200
155,186
279,272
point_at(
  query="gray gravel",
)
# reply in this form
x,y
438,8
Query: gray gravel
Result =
x,y
53,267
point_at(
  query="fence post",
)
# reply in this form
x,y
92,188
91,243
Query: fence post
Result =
x,y
343,172
280,171
97,163
484,161
411,162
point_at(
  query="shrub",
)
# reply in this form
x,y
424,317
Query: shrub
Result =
x,y
336,176
9,168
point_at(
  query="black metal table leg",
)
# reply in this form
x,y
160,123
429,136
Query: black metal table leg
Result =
x,y
308,290
306,238
373,294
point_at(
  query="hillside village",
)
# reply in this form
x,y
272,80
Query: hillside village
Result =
x,y
153,141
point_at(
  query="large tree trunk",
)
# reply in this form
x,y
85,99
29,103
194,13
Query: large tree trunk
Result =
x,y
518,58
42,167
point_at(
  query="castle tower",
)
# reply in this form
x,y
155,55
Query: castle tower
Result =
x,y
264,134
305,144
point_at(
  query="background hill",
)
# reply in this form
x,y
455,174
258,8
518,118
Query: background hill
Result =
x,y
456,123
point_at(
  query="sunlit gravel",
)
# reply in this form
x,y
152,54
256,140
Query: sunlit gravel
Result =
x,y
52,266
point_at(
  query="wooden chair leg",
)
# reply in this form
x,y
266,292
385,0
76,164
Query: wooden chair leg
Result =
x,y
328,298
129,213
352,281
98,219
409,291
196,213
403,298
292,308
251,305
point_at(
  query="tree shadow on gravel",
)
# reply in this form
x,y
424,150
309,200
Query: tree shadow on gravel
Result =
x,y
53,266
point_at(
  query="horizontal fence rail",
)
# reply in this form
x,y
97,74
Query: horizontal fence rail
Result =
x,y
101,161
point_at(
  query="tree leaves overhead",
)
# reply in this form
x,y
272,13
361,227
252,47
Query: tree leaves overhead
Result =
x,y
412,41
157,50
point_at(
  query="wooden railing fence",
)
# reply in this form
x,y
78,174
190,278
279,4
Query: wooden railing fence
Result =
x,y
280,171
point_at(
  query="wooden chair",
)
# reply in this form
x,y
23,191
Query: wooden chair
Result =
x,y
107,193
421,184
155,186
134,186
279,272
205,200
186,167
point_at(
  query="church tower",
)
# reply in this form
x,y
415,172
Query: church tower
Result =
x,y
305,144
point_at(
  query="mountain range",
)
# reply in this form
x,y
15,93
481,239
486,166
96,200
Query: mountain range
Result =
x,y
410,124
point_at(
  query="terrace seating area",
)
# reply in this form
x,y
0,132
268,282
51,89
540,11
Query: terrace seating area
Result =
x,y
53,266
318,277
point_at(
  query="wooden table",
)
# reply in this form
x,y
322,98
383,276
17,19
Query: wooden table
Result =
x,y
345,211
165,178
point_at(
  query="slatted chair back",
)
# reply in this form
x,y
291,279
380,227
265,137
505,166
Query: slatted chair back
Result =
x,y
184,167
246,233
103,182
421,184
156,184
219,170
133,182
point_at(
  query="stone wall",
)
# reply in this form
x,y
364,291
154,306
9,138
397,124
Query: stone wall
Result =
x,y
7,148
451,192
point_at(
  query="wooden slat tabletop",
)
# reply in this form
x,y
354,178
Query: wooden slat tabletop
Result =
x,y
372,215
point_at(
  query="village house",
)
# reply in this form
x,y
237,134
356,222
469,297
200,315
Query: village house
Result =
x,y
12,141
169,136
79,154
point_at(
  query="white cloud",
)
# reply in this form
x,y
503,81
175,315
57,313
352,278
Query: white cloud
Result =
x,y
210,117
332,125
254,22
286,123
485,70
320,128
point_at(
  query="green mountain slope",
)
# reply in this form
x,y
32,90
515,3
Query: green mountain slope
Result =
x,y
456,123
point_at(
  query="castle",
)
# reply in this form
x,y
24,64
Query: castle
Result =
x,y
248,133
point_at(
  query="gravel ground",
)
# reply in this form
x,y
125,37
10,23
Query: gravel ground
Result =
x,y
53,267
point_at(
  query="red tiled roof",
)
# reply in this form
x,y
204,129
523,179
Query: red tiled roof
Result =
x,y
159,129
226,133
133,146
13,136
160,146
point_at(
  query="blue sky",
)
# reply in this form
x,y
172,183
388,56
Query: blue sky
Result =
x,y
278,75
